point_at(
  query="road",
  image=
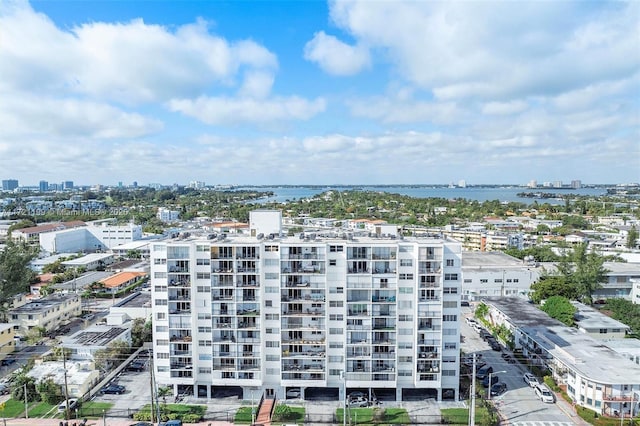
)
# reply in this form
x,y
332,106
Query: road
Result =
x,y
519,405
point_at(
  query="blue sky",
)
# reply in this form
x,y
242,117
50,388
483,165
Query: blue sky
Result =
x,y
308,92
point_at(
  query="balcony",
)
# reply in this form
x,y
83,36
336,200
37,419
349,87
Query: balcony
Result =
x,y
608,397
186,338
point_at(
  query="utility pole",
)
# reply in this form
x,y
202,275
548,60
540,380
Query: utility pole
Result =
x,y
66,389
151,384
472,409
26,403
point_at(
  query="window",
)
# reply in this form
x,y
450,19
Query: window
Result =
x,y
271,275
515,280
335,358
161,315
449,318
408,317
335,330
272,262
484,280
449,331
204,329
204,343
203,289
405,331
272,358
335,249
272,290
450,345
450,262
163,355
162,342
468,280
161,302
450,304
159,275
450,290
336,290
268,303
336,345
162,328
273,344
449,373
336,304
271,248
204,370
203,262
451,277
406,262
497,280
405,359
159,261
336,317
272,316
406,290
405,276
332,262
203,276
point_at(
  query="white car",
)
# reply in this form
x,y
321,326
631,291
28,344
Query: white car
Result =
x,y
545,394
73,402
293,393
531,380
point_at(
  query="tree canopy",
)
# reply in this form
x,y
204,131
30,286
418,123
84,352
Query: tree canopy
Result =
x,y
15,274
560,308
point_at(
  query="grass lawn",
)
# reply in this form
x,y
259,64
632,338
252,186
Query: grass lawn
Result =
x,y
591,417
243,415
365,416
12,408
39,409
460,416
288,414
93,409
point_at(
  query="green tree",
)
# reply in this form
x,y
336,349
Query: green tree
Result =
x,y
554,285
140,332
49,391
627,313
18,387
632,237
15,274
560,308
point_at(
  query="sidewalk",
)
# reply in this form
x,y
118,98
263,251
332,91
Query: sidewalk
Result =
x,y
107,422
568,409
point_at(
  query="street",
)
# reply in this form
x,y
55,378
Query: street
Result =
x,y
519,405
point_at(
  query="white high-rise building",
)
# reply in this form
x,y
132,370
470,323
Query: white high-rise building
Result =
x,y
269,314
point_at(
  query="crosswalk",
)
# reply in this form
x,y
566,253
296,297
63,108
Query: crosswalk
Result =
x,y
541,423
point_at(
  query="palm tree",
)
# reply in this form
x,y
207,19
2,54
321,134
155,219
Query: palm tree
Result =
x,y
164,393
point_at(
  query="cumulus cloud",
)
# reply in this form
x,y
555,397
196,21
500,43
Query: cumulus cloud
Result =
x,y
334,56
221,110
500,50
504,108
129,62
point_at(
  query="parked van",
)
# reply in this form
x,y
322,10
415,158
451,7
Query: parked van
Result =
x,y
544,393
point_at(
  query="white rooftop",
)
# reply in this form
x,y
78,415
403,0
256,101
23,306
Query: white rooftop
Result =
x,y
92,257
590,318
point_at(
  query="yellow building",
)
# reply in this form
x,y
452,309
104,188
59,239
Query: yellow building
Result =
x,y
7,341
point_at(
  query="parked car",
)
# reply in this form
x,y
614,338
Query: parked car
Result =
x,y
531,380
114,389
464,303
359,402
73,403
142,424
4,389
293,393
495,345
494,380
8,361
356,395
172,423
544,393
498,389
136,366
484,372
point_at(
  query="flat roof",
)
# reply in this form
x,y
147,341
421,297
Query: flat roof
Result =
x,y
590,318
132,245
4,326
622,268
83,280
92,257
44,303
489,259
586,355
137,300
95,335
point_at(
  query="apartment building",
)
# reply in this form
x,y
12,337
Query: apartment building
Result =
x,y
594,375
318,313
49,312
7,340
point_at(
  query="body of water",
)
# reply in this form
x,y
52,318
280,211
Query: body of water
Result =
x,y
506,194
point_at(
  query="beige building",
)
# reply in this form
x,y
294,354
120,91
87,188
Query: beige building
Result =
x,y
49,312
81,376
7,341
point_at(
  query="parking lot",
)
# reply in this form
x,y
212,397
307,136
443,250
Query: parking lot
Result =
x,y
519,403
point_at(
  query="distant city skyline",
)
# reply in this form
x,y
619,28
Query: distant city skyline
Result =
x,y
345,92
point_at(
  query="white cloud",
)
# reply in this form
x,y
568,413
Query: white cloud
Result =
x,y
399,110
334,56
498,51
127,62
23,114
221,110
504,108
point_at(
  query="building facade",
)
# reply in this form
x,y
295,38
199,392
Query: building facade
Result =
x,y
309,312
49,312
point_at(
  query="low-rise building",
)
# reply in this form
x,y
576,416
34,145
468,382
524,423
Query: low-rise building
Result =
x,y
7,340
593,375
121,280
91,261
49,312
85,343
597,325
80,377
136,305
489,274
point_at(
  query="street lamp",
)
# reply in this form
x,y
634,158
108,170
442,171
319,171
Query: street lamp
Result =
x,y
490,384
